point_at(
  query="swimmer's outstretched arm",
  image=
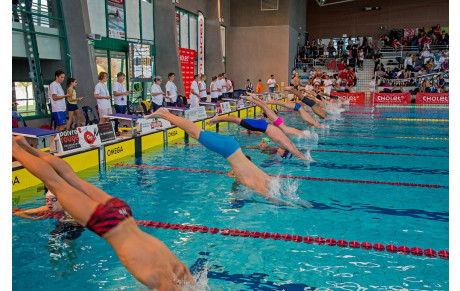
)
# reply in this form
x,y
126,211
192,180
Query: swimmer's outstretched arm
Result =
x,y
304,115
270,114
217,119
28,212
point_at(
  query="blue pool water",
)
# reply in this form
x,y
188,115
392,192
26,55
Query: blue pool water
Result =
x,y
388,214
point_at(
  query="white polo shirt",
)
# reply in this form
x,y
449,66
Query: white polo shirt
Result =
x,y
203,86
101,90
194,87
172,88
229,86
58,105
122,99
157,99
271,83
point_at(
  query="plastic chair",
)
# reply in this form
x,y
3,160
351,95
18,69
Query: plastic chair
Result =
x,y
89,121
19,117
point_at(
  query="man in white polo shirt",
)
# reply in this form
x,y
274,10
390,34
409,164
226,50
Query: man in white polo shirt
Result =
x,y
120,96
218,86
271,84
195,92
157,93
171,90
223,85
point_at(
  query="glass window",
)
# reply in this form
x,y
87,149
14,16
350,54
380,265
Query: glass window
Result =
x,y
117,64
193,32
178,26
184,30
101,61
25,97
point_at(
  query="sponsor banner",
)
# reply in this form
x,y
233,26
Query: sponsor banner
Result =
x,y
357,98
79,139
196,113
119,150
115,16
187,63
223,107
393,98
106,132
432,98
145,126
200,43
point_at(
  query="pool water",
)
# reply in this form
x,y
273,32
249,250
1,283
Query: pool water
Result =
x,y
376,213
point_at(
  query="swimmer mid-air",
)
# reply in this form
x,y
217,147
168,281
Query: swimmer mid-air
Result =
x,y
145,257
243,169
260,125
310,100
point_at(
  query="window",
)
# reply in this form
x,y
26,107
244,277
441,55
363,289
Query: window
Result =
x,y
222,36
184,33
25,97
187,29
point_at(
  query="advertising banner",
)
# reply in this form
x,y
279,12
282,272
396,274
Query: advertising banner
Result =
x,y
200,43
187,63
140,63
106,132
358,97
79,139
393,98
196,113
223,107
116,18
432,98
145,126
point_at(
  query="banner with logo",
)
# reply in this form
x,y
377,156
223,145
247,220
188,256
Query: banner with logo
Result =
x,y
223,107
79,139
187,63
432,98
200,43
145,126
116,18
196,113
106,132
393,98
358,97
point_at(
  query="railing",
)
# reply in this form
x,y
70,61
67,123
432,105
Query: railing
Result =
x,y
41,15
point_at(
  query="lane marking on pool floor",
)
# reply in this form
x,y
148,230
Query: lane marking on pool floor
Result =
x,y
372,125
404,250
364,136
325,151
285,176
406,114
392,119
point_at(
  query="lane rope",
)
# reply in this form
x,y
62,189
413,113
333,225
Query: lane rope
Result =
x,y
393,119
370,126
324,151
286,176
404,250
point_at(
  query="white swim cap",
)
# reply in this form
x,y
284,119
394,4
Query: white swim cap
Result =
x,y
49,194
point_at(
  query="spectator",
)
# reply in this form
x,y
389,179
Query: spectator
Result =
x,y
260,87
307,50
218,86
360,59
426,54
377,58
314,49
72,106
249,87
351,78
388,73
444,38
194,92
331,48
316,83
271,84
202,88
437,30
157,93
320,47
379,71
214,90
102,95
342,66
57,99
229,88
171,90
309,86
327,85
372,87
298,62
223,85
319,73
441,84
408,62
445,65
427,42
340,47
429,66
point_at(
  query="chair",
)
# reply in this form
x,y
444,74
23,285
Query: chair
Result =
x,y
19,117
146,107
132,110
89,121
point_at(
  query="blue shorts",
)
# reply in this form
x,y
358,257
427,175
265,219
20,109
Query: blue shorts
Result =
x,y
297,106
221,144
254,124
59,117
72,107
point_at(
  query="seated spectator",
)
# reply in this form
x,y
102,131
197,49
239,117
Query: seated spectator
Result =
x,y
426,54
342,66
331,48
429,66
319,73
427,42
309,85
312,73
444,38
298,62
388,73
316,83
379,71
445,65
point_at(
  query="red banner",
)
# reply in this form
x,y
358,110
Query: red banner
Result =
x,y
432,98
393,98
187,63
358,97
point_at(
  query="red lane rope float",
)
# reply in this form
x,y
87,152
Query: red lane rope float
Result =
x,y
286,176
345,112
326,151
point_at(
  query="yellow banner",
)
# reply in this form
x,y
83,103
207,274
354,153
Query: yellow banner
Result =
x,y
119,150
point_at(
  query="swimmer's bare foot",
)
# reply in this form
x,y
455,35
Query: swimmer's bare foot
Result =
x,y
160,112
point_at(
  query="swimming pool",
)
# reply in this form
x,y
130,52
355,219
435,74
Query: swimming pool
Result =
x,y
412,216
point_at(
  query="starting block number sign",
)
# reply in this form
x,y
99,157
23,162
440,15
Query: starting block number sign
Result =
x,y
196,113
151,125
223,107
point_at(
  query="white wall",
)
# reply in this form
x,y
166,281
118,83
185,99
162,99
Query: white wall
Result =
x,y
132,19
147,21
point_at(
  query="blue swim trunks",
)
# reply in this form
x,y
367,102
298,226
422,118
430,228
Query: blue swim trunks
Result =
x,y
221,144
297,107
254,124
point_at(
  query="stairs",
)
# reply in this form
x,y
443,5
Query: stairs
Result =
x,y
364,77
